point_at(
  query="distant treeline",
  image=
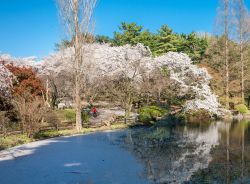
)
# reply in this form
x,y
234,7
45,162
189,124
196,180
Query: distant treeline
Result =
x,y
163,41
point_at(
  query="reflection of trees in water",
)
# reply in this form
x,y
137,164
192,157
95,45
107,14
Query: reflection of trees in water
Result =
x,y
214,153
230,159
173,154
242,152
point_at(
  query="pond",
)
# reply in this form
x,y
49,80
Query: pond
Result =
x,y
217,152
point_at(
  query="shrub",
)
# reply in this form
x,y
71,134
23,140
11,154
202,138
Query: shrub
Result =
x,y
52,119
85,117
150,113
198,116
70,115
177,101
145,117
241,108
4,122
31,114
232,101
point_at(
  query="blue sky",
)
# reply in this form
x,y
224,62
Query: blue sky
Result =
x,y
31,27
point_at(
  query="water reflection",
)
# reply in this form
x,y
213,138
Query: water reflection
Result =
x,y
195,153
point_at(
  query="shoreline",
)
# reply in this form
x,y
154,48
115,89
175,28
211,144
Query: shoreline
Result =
x,y
12,141
22,139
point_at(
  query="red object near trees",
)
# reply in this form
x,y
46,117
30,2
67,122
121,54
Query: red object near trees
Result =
x,y
94,110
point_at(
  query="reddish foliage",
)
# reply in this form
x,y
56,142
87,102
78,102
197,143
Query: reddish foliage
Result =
x,y
26,80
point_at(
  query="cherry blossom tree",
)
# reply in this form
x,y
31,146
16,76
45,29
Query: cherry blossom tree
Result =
x,y
5,81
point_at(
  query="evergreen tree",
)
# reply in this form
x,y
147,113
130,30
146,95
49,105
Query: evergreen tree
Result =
x,y
166,40
148,39
129,34
103,39
193,45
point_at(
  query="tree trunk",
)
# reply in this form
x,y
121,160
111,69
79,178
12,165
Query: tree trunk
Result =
x,y
227,147
47,93
128,107
242,153
147,99
227,76
78,105
78,62
242,72
226,53
127,112
241,35
76,15
159,97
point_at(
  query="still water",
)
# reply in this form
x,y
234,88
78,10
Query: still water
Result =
x,y
217,152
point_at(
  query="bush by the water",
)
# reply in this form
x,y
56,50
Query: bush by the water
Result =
x,y
150,113
241,108
198,116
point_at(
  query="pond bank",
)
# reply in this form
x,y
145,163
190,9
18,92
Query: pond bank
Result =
x,y
178,153
20,139
16,140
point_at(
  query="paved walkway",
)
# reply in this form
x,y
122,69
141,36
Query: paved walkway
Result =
x,y
106,116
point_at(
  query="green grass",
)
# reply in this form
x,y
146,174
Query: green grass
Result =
x,y
13,140
52,133
66,115
70,114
